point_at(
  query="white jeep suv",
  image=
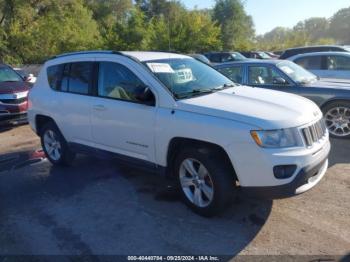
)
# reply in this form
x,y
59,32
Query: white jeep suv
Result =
x,y
175,114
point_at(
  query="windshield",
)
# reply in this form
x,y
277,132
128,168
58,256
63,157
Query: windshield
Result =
x,y
296,73
188,77
237,56
264,55
9,75
21,72
347,48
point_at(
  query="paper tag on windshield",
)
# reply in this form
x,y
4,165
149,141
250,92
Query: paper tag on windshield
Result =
x,y
160,68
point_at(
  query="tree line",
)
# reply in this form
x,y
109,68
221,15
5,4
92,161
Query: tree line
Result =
x,y
316,30
33,30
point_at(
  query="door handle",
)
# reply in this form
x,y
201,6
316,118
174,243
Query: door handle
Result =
x,y
100,108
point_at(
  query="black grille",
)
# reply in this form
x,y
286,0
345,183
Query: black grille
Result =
x,y
314,133
13,101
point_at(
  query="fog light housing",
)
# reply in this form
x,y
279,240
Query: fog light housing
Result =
x,y
285,171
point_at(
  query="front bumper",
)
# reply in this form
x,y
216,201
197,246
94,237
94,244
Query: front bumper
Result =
x,y
13,118
306,179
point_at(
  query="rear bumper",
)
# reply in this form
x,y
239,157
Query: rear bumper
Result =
x,y
307,178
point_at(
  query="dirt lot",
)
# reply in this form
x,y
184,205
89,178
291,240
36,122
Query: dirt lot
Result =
x,y
99,207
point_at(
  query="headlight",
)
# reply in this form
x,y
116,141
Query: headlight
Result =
x,y
277,138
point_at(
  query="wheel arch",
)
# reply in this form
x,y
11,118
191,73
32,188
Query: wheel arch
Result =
x,y
41,121
334,100
178,143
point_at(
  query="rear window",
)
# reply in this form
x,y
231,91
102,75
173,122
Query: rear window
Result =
x,y
235,73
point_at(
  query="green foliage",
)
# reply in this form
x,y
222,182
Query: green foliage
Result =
x,y
33,30
129,34
340,26
237,28
313,31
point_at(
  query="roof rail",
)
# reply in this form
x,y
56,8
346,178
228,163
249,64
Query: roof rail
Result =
x,y
87,52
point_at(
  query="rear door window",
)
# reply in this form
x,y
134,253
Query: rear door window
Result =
x,y
80,77
310,63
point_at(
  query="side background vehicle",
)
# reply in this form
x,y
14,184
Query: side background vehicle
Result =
x,y
28,77
224,57
201,58
174,114
13,96
312,49
256,55
325,64
333,98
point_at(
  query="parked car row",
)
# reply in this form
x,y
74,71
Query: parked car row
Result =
x,y
283,75
324,61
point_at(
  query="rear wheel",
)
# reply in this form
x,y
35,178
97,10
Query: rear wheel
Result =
x,y
205,181
337,119
55,146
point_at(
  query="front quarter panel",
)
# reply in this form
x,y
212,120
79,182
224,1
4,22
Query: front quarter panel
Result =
x,y
181,124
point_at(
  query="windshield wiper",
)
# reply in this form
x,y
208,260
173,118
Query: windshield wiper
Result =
x,y
195,92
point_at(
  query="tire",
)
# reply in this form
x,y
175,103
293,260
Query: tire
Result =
x,y
337,119
221,179
59,153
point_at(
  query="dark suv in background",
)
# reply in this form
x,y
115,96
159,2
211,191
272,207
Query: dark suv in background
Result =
x,y
312,49
13,96
224,57
256,55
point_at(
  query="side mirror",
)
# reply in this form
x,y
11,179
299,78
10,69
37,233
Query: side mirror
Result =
x,y
28,77
279,81
147,97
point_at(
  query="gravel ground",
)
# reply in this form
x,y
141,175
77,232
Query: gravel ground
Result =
x,y
97,207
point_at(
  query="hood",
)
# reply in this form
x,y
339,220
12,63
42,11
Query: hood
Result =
x,y
13,87
258,107
332,84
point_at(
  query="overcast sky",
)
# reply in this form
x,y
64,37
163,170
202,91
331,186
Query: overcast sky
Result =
x,y
268,14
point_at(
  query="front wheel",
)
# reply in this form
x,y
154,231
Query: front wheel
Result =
x,y
55,146
205,181
337,119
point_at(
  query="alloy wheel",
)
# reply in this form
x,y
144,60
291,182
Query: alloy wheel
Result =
x,y
52,145
196,182
338,121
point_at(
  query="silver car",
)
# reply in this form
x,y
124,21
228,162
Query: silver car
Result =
x,y
335,65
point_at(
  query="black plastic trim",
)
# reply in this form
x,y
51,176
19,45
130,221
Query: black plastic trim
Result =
x,y
15,117
103,154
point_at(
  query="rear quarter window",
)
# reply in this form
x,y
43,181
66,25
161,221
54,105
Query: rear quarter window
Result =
x,y
54,74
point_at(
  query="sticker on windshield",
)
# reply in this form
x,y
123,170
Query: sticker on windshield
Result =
x,y
183,75
287,70
160,68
